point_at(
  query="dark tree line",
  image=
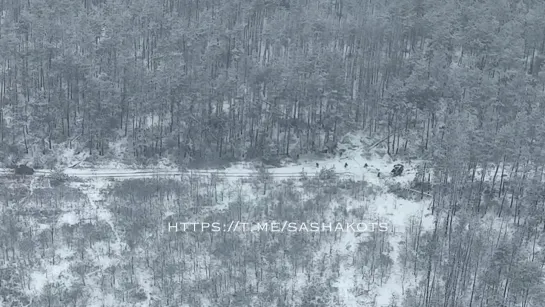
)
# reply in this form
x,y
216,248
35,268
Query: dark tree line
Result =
x,y
216,79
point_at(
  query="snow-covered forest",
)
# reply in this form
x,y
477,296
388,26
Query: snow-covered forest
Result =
x,y
136,114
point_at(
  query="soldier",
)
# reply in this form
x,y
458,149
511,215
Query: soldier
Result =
x,y
345,165
317,165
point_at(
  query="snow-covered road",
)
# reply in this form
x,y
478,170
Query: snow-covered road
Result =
x,y
145,173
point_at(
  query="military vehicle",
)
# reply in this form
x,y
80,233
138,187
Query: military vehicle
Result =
x,y
398,170
23,170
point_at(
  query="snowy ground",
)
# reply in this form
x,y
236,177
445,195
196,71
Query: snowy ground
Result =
x,y
385,206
